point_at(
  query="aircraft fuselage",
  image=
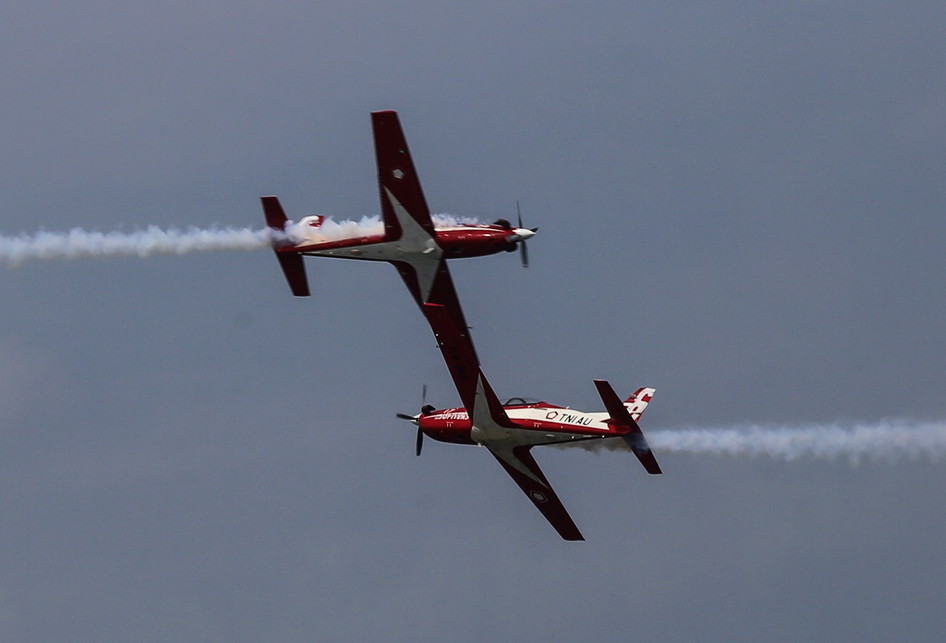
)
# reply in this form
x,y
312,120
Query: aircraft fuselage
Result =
x,y
454,242
536,424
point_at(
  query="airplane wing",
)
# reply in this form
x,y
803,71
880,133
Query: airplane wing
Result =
x,y
397,178
407,219
489,418
522,468
439,289
478,397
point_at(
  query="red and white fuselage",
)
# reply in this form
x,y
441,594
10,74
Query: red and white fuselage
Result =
x,y
536,423
317,236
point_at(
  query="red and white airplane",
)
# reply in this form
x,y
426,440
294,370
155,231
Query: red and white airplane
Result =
x,y
418,249
409,239
509,430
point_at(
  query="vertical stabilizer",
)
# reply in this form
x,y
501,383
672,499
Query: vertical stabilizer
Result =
x,y
637,403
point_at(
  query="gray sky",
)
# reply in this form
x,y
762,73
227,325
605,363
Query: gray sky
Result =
x,y
741,204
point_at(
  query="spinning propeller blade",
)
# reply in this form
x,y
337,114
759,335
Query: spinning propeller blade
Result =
x,y
523,251
425,409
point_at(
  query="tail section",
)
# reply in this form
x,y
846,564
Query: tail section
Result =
x,y
289,261
626,426
637,403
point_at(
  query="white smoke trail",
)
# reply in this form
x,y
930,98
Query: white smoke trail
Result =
x,y
153,240
887,441
78,243
448,220
331,230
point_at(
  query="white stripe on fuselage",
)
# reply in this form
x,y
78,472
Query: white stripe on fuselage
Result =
x,y
529,420
529,433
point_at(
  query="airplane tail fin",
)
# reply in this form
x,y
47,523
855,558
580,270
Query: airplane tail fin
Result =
x,y
289,261
626,426
637,403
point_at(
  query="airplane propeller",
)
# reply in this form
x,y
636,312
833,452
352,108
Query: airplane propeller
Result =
x,y
425,409
520,235
523,251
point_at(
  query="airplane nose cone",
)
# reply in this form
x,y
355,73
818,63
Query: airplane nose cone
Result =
x,y
521,234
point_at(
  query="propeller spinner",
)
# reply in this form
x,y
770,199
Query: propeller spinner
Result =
x,y
521,235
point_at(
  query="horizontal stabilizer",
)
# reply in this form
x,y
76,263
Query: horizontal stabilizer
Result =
x,y
639,446
275,215
294,270
290,262
629,430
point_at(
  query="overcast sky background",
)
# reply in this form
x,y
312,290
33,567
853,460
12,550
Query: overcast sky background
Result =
x,y
741,204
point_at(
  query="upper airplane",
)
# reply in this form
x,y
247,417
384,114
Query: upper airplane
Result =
x,y
511,429
410,240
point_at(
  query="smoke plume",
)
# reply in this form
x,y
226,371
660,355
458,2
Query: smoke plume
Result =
x,y
79,244
153,240
886,441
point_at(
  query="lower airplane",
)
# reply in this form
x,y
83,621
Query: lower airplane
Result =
x,y
510,430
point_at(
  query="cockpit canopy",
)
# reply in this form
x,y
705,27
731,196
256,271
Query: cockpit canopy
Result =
x,y
521,401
